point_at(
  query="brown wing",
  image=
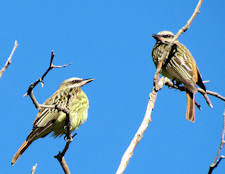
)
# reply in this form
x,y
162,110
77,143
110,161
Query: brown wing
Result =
x,y
42,125
48,115
181,65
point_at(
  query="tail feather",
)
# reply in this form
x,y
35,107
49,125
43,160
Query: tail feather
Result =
x,y
190,113
24,146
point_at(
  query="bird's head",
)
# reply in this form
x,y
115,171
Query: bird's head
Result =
x,y
74,82
164,37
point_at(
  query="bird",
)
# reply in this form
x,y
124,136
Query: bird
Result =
x,y
51,120
180,66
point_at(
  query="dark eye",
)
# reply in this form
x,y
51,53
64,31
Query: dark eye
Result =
x,y
76,81
167,36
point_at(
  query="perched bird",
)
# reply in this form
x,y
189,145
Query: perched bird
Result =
x,y
178,65
52,120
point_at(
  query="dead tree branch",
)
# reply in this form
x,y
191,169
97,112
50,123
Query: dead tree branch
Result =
x,y
144,125
8,62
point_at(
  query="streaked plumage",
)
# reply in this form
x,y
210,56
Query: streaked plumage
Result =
x,y
179,65
50,120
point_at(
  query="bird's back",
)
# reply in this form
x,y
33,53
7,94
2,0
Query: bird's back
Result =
x,y
179,64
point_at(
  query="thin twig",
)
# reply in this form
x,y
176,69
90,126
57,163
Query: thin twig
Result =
x,y
33,169
30,89
216,162
204,93
168,47
8,62
215,94
139,134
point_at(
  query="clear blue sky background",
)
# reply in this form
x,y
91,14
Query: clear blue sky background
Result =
x,y
111,42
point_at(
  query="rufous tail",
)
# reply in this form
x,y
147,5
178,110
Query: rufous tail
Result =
x,y
190,113
24,146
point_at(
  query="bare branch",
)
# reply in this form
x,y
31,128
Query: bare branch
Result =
x,y
144,125
29,90
204,93
54,66
215,94
33,169
168,47
216,162
62,162
8,62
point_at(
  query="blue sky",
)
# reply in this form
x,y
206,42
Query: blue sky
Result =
x,y
111,42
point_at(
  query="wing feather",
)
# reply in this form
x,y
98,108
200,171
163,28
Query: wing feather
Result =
x,y
47,115
42,125
180,64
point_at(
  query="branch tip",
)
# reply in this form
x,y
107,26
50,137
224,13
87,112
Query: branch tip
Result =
x,y
9,60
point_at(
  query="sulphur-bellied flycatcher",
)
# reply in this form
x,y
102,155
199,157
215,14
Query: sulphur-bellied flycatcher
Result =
x,y
178,65
51,120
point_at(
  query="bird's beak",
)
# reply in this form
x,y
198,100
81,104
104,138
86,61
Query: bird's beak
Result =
x,y
85,81
156,37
